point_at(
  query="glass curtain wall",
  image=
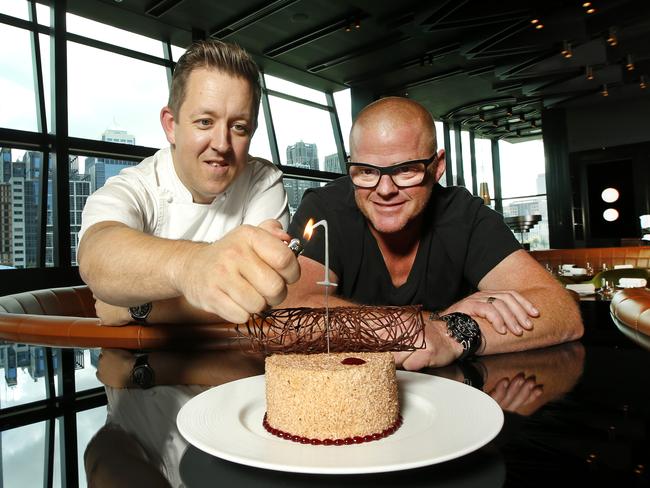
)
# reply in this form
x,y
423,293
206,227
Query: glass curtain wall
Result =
x,y
299,128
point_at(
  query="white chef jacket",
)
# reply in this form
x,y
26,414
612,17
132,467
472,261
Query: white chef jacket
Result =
x,y
151,198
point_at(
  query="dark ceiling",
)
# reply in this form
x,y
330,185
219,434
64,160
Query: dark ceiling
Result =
x,y
481,63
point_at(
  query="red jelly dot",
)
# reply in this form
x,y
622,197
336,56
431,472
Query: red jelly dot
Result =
x,y
338,442
316,442
358,439
367,438
328,442
295,438
348,440
304,440
376,437
353,361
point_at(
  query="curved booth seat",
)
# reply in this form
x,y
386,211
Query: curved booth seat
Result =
x,y
65,317
630,310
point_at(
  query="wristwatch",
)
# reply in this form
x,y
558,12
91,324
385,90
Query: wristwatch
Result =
x,y
140,313
465,331
142,374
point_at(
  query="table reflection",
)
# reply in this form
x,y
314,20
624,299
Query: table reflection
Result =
x,y
145,420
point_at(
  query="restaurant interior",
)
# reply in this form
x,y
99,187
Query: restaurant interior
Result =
x,y
541,107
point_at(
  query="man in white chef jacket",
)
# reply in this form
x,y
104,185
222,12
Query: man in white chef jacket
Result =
x,y
197,228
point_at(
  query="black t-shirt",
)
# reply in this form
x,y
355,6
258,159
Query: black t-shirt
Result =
x,y
463,240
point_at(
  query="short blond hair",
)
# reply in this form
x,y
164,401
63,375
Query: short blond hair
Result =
x,y
218,55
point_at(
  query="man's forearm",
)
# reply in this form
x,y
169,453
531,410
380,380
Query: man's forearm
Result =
x,y
558,321
126,267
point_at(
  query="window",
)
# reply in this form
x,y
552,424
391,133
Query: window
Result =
x,y
467,159
140,84
440,142
484,172
17,97
523,186
303,133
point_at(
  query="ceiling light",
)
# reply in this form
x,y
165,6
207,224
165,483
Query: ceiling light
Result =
x,y
348,28
629,62
610,215
357,24
609,195
539,26
589,73
586,4
509,112
534,21
481,117
567,52
489,106
591,10
513,120
605,92
642,83
612,38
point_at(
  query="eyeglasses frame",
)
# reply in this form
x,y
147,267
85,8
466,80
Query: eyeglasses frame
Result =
x,y
390,170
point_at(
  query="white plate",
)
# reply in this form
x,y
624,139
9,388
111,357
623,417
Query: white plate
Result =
x,y
443,420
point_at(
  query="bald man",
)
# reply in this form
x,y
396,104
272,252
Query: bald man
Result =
x,y
396,237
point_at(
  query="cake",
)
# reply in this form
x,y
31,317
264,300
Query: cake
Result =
x,y
338,398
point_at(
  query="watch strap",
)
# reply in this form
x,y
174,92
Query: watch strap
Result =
x,y
142,374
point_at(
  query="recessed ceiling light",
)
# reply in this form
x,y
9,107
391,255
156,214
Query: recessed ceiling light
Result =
x,y
488,107
610,215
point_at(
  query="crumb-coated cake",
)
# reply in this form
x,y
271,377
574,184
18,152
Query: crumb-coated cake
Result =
x,y
338,398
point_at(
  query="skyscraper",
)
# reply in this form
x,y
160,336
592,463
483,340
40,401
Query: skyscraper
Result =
x,y
101,169
333,163
300,155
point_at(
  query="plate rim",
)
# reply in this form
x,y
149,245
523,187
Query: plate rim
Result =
x,y
406,380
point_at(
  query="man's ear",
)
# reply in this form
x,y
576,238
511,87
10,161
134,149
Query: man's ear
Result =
x,y
168,123
440,165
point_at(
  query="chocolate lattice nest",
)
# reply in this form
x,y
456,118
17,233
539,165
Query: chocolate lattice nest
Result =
x,y
351,329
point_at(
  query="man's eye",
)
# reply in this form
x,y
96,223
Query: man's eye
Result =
x,y
241,128
204,122
406,170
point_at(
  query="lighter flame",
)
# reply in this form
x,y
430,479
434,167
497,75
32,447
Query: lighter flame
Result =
x,y
309,229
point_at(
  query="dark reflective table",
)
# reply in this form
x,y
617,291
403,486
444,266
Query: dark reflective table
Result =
x,y
575,415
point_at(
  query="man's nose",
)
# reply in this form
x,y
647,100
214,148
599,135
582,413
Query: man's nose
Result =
x,y
386,186
220,139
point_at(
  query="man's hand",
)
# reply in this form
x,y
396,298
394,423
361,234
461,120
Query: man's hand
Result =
x,y
114,368
505,310
440,350
243,273
517,394
112,314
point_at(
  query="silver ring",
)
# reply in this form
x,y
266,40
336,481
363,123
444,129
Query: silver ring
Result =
x,y
491,299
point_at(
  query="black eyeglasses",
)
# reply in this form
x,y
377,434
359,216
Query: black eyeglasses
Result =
x,y
408,173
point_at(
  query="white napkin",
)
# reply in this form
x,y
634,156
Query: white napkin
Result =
x,y
578,271
632,282
582,288
623,266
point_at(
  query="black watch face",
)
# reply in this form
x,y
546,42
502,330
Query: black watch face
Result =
x,y
142,376
141,311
